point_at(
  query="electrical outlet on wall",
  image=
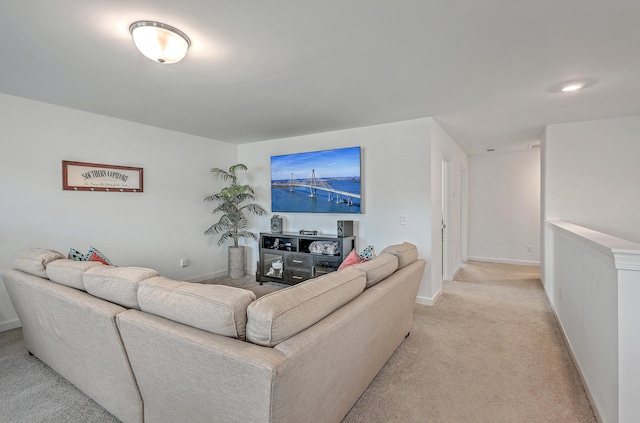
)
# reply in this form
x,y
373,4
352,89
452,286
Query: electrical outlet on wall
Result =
x,y
529,248
184,262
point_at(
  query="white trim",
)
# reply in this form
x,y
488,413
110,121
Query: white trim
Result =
x,y
597,250
617,252
429,301
626,260
455,274
504,261
10,324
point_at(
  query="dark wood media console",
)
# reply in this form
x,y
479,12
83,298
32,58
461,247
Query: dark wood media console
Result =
x,y
292,258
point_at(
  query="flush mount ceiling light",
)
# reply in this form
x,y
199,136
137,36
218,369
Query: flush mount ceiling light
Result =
x,y
574,85
160,42
571,87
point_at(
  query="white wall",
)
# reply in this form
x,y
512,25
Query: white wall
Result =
x,y
504,207
592,172
396,182
151,229
444,147
166,222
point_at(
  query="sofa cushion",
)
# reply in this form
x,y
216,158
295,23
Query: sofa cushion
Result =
x,y
116,284
215,308
35,260
406,252
278,316
69,272
379,268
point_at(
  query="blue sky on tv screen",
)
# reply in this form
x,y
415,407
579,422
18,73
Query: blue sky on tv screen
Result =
x,y
339,163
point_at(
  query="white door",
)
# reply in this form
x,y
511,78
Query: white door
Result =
x,y
445,210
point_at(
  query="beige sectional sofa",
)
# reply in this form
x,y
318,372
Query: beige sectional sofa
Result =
x,y
150,349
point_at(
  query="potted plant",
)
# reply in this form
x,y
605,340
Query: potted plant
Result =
x,y
233,222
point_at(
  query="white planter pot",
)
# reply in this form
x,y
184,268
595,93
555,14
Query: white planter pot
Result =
x,y
237,263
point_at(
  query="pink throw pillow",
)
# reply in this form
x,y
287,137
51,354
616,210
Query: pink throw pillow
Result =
x,y
95,257
352,259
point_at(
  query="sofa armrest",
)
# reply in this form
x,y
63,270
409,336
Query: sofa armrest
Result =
x,y
342,353
76,335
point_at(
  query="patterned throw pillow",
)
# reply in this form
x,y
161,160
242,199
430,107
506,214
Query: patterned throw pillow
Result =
x,y
93,255
76,255
367,254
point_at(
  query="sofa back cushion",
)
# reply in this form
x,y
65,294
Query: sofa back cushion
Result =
x,y
406,252
278,316
116,284
69,272
215,308
34,261
379,268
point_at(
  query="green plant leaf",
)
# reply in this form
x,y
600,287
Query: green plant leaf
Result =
x,y
233,222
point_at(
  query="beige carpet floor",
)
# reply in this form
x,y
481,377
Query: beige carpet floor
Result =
x,y
489,351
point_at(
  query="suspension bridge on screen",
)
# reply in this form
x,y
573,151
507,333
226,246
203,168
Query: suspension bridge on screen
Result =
x,y
313,184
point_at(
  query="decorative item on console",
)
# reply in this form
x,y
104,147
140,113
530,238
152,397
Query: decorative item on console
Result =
x,y
280,245
330,248
276,270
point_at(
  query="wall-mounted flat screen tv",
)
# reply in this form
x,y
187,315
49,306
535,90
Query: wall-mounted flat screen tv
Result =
x,y
325,181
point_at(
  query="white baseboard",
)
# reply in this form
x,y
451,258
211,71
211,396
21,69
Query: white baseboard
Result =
x,y
455,274
208,276
504,261
429,301
11,324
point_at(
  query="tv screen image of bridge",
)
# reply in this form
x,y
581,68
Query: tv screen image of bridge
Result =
x,y
314,184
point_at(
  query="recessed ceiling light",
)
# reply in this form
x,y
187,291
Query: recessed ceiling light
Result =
x,y
160,42
574,86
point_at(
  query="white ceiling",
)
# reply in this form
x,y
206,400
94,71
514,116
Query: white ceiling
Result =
x,y
487,70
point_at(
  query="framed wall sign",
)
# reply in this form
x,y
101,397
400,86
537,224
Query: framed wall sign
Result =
x,y
79,176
